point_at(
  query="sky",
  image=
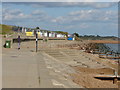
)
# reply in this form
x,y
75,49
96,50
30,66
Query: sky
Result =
x,y
85,18
59,0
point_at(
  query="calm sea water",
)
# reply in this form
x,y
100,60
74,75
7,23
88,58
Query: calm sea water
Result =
x,y
114,47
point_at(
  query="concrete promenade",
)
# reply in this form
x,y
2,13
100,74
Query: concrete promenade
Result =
x,y
53,67
25,68
19,69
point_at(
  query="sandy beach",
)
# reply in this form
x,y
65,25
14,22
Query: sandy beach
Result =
x,y
56,64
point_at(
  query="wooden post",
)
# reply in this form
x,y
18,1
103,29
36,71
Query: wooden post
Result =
x,y
115,80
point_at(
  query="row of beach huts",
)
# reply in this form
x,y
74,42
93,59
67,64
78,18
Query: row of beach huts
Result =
x,y
43,33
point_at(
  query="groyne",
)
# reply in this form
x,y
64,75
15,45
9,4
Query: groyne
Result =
x,y
105,41
94,48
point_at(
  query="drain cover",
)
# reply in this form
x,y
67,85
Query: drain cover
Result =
x,y
32,51
14,56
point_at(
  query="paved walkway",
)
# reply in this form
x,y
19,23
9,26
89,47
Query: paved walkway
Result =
x,y
19,69
43,73
25,68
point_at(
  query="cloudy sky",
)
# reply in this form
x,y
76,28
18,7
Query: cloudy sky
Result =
x,y
85,18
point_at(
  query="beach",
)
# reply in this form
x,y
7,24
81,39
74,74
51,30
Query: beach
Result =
x,y
59,67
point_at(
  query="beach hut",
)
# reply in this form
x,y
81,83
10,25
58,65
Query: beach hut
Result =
x,y
29,32
41,33
63,35
45,33
59,35
50,34
71,37
25,30
53,34
22,29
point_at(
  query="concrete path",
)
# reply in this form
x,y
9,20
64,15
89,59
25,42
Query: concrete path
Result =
x,y
19,69
43,73
25,68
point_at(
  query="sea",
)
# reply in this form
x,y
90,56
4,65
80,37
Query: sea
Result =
x,y
114,47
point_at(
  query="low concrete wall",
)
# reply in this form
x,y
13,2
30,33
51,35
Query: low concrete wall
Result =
x,y
14,40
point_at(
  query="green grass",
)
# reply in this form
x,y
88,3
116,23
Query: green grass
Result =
x,y
5,29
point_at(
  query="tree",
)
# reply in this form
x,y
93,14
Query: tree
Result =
x,y
76,34
61,32
37,28
98,36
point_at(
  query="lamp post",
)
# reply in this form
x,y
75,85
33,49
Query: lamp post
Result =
x,y
36,33
36,41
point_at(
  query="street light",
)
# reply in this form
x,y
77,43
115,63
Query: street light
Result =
x,y
36,41
36,33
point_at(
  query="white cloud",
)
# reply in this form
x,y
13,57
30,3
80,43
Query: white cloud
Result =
x,y
13,15
80,25
92,15
38,12
87,16
17,15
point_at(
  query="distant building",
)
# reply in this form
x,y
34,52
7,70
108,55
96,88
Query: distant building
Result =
x,y
71,37
24,30
50,34
46,34
41,33
29,32
61,35
53,34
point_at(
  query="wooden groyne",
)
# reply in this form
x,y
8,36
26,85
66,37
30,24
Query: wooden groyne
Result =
x,y
105,41
95,48
109,57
